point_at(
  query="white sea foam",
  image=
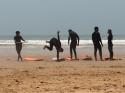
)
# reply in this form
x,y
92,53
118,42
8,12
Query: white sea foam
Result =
x,y
64,42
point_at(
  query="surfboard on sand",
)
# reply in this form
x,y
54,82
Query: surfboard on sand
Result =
x,y
106,59
32,59
60,59
87,58
69,59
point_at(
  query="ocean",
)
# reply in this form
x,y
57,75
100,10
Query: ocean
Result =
x,y
40,40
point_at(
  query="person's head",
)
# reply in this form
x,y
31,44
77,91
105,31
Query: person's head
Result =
x,y
96,29
70,30
109,31
17,33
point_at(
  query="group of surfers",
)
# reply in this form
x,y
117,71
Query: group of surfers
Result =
x,y
74,38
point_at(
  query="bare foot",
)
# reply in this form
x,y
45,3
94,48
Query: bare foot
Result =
x,y
44,47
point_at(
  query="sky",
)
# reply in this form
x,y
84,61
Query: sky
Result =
x,y
35,17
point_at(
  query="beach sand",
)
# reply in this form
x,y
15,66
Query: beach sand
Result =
x,y
61,77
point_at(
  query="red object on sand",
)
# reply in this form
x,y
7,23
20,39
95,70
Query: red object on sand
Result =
x,y
68,58
32,59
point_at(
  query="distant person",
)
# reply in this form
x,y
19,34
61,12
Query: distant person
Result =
x,y
55,42
18,44
97,42
110,44
73,36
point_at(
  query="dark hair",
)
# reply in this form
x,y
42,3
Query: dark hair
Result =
x,y
17,32
96,28
70,30
109,31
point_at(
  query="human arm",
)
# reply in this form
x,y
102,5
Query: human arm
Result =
x,y
68,39
93,39
100,40
22,38
101,43
78,39
14,39
58,35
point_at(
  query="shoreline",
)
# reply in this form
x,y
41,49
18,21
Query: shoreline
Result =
x,y
82,51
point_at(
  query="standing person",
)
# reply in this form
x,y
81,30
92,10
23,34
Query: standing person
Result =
x,y
55,42
18,44
73,36
97,42
110,44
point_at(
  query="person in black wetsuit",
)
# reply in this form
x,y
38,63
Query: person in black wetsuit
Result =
x,y
97,42
74,38
110,44
55,42
18,44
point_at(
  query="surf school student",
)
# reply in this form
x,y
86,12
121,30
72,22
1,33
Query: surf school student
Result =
x,y
110,44
97,42
55,42
73,36
18,38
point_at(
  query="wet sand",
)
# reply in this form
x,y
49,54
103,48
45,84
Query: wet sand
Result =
x,y
60,77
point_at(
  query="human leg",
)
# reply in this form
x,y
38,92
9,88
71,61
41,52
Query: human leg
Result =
x,y
100,52
110,48
18,49
95,52
71,51
57,55
49,47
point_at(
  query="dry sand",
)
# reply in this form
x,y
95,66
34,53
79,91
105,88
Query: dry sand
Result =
x,y
60,77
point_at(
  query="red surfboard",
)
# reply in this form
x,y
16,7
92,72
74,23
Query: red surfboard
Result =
x,y
68,58
32,59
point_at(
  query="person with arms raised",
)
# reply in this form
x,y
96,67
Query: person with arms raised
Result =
x,y
55,42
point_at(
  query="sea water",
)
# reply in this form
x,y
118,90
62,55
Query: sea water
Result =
x,y
40,40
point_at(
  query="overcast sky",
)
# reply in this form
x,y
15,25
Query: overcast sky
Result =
x,y
48,16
